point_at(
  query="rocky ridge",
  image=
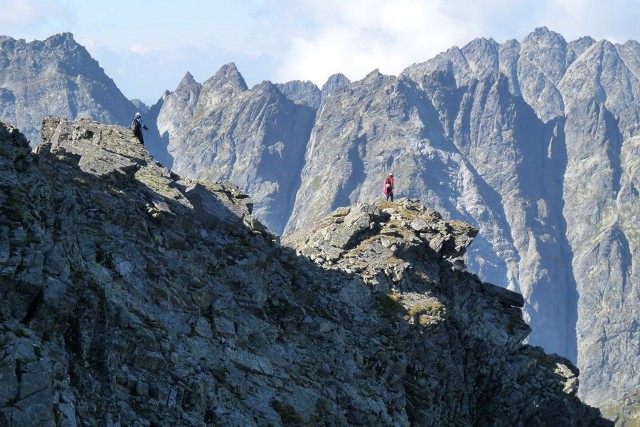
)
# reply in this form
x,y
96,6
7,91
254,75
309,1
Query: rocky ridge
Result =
x,y
133,296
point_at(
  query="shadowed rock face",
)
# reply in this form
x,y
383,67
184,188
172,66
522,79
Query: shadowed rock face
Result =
x,y
133,296
533,142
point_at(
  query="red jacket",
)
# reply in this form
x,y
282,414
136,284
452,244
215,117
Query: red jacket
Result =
x,y
389,180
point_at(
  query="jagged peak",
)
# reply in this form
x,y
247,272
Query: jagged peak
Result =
x,y
337,79
60,40
61,37
227,75
543,33
10,40
140,105
594,53
453,50
187,81
56,39
187,85
632,43
336,83
267,88
373,75
304,92
481,50
300,84
511,42
304,83
605,44
585,39
267,84
578,47
375,79
481,42
454,53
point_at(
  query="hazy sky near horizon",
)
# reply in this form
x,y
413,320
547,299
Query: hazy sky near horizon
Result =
x,y
147,46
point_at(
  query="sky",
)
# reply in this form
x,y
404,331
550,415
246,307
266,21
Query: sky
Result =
x,y
147,46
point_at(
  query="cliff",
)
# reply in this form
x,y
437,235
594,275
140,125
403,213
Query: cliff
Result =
x,y
133,296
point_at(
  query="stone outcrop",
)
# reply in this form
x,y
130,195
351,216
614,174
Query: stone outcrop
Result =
x,y
133,296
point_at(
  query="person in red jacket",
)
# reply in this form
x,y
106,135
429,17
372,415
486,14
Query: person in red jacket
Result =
x,y
387,187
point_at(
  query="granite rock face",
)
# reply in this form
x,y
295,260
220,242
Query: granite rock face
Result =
x,y
254,138
133,296
56,76
533,142
557,152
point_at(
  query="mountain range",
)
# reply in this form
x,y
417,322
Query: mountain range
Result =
x,y
532,142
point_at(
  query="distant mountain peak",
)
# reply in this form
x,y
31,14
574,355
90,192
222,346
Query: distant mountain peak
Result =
x,y
187,81
543,33
227,75
304,92
338,78
62,37
335,84
60,41
373,74
52,68
482,41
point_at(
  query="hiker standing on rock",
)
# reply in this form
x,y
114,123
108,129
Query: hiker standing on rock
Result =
x,y
387,187
137,126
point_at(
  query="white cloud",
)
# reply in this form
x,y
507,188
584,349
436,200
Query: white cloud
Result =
x,y
142,50
157,42
358,36
35,19
614,20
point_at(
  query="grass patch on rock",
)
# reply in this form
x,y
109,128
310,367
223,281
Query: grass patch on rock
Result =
x,y
287,413
390,306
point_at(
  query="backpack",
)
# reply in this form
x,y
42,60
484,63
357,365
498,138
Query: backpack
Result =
x,y
135,125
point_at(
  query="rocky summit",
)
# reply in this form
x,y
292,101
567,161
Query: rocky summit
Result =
x,y
133,296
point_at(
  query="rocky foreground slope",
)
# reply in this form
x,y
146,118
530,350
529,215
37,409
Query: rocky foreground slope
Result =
x,y
131,296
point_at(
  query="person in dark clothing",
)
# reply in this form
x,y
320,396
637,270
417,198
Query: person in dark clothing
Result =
x,y
137,126
387,187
